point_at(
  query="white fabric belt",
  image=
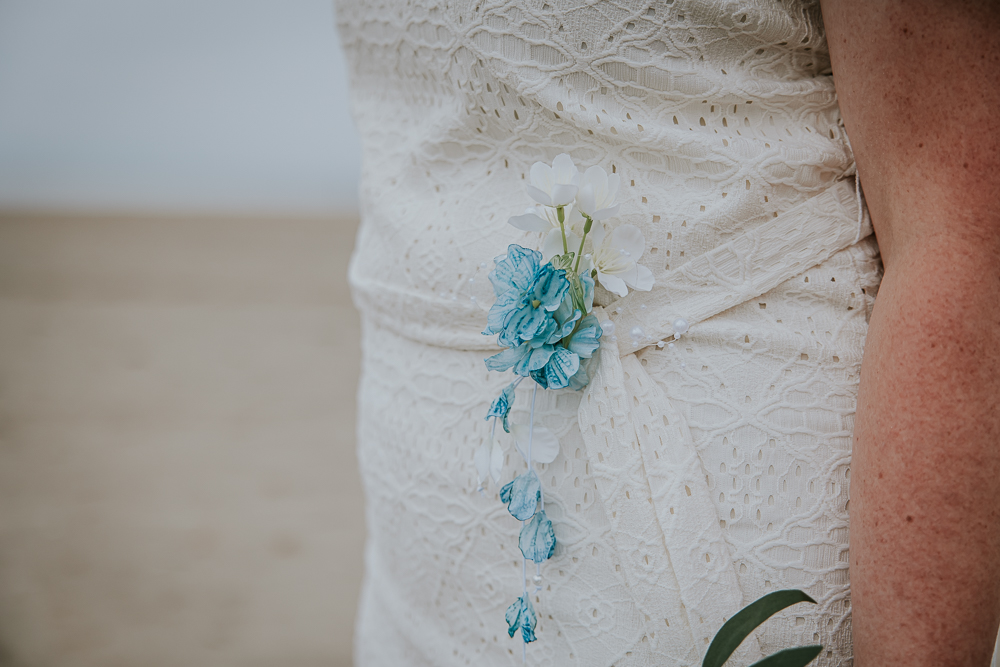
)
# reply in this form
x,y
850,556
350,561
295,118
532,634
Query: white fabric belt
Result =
x,y
673,553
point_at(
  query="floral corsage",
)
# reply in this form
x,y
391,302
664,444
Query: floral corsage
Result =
x,y
543,316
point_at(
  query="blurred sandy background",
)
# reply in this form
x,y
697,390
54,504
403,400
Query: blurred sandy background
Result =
x,y
178,351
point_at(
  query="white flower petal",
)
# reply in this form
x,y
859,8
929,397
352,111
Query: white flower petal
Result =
x,y
597,233
605,213
552,245
564,171
614,182
496,461
538,195
530,222
573,220
612,283
597,177
563,194
629,239
585,199
482,460
544,444
541,177
644,279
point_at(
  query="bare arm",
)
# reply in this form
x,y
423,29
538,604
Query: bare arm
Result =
x,y
919,88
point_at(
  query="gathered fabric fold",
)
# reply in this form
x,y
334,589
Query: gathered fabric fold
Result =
x,y
673,551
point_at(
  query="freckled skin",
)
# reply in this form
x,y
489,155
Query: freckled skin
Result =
x,y
919,88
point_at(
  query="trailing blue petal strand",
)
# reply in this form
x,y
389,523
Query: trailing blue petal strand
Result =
x,y
501,405
523,495
537,540
521,616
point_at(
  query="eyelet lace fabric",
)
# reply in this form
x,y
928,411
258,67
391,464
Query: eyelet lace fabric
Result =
x,y
720,116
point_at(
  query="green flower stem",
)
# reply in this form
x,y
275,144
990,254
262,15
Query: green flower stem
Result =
x,y
586,230
561,214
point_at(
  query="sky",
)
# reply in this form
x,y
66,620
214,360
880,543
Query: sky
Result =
x,y
179,106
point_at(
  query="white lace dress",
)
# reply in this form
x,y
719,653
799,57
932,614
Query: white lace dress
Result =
x,y
690,481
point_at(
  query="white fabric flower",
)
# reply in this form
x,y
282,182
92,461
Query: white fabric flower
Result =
x,y
544,218
616,259
556,185
597,194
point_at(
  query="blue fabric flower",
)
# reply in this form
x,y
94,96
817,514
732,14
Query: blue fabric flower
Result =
x,y
527,292
521,616
537,540
522,495
501,405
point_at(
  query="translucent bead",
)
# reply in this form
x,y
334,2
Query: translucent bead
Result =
x,y
642,307
608,327
587,256
683,365
472,298
454,297
670,345
614,339
482,265
660,345
537,580
680,325
472,280
636,332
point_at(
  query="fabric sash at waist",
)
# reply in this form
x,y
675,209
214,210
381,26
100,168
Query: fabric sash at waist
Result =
x,y
740,269
673,553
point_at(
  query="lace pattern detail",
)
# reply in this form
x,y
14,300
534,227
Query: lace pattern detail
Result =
x,y
720,116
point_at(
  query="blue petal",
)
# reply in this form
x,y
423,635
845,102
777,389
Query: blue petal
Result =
x,y
525,324
562,365
533,359
521,616
501,405
523,495
565,317
538,540
517,271
588,292
507,358
505,492
551,287
582,377
502,311
586,339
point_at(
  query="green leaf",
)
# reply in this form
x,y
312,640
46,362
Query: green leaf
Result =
x,y
736,629
790,657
